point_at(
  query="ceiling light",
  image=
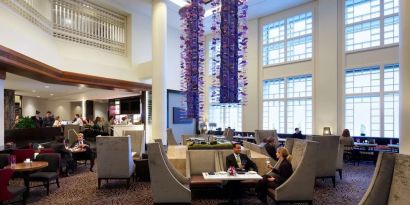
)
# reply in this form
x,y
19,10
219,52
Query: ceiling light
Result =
x,y
38,96
47,86
51,94
180,3
33,91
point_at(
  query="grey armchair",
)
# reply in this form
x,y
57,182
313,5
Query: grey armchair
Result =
x,y
137,141
327,156
114,158
260,135
165,186
339,162
299,187
390,182
170,137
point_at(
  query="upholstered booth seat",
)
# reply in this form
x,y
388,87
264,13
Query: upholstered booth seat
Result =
x,y
7,192
299,187
327,156
390,182
259,149
198,161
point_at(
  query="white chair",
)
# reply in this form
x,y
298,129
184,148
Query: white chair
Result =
x,y
114,158
327,156
165,185
137,141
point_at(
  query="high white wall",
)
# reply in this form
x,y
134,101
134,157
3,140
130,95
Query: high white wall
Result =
x,y
76,108
58,108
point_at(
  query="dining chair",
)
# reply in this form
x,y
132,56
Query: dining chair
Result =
x,y
49,173
7,192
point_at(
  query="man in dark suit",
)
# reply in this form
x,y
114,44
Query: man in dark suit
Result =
x,y
87,154
271,148
297,134
67,162
37,119
240,161
48,120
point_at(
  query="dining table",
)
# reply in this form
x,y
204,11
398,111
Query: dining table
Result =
x,y
26,168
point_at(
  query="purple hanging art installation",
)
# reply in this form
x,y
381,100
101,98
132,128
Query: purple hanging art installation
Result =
x,y
192,56
228,43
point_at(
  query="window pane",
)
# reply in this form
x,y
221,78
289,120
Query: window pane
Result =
x,y
299,115
391,7
214,61
361,10
274,32
363,35
391,77
274,115
299,25
362,80
274,89
391,115
226,115
299,86
300,48
391,30
362,115
275,53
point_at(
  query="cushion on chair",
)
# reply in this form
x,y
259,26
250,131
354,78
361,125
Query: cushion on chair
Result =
x,y
199,181
43,176
16,190
400,189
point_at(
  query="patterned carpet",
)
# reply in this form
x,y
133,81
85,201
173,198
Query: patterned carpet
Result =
x,y
81,188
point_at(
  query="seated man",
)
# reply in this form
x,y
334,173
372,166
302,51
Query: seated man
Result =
x,y
67,162
86,154
271,148
297,134
240,161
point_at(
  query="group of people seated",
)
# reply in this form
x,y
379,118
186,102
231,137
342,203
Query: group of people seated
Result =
x,y
70,154
279,173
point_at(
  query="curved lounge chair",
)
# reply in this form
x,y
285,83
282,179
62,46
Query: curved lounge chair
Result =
x,y
299,187
166,187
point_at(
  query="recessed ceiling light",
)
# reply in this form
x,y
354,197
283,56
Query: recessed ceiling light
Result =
x,y
33,91
47,86
38,96
51,94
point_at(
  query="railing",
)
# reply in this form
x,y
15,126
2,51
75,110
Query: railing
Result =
x,y
76,20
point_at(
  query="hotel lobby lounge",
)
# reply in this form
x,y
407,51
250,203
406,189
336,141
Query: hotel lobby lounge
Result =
x,y
204,102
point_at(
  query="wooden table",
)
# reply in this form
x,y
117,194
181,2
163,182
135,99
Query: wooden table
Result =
x,y
226,177
26,169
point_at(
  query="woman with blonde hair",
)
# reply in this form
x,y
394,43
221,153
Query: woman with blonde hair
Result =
x,y
279,174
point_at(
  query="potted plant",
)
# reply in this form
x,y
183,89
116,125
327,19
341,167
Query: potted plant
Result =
x,y
25,122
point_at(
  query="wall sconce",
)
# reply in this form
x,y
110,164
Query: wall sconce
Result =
x,y
326,131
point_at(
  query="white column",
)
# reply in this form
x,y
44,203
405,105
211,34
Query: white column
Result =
x,y
404,52
83,108
1,112
159,56
325,74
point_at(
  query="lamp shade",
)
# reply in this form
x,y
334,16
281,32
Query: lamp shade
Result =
x,y
326,131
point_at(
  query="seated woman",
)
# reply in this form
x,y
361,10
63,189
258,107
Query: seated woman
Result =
x,y
346,139
57,122
280,173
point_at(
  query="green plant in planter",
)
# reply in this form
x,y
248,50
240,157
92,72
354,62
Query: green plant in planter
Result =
x,y
26,122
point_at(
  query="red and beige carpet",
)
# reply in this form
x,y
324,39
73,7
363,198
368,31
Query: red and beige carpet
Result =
x,y
81,188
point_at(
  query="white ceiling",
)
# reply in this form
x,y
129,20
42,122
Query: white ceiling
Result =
x,y
257,8
29,87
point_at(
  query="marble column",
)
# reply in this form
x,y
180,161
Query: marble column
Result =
x,y
159,56
404,52
9,112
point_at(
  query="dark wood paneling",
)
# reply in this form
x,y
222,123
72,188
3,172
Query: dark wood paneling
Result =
x,y
17,63
23,137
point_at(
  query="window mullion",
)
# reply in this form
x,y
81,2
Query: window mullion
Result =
x,y
382,101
